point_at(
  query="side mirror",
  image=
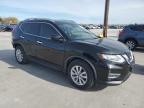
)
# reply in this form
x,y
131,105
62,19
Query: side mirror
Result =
x,y
57,38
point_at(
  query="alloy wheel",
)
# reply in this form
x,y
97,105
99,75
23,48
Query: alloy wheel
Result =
x,y
131,44
19,55
79,75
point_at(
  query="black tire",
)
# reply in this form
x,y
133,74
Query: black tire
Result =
x,y
24,59
90,74
131,43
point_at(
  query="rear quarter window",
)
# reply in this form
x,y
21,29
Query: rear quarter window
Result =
x,y
30,28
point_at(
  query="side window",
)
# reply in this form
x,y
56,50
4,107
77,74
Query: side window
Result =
x,y
31,28
47,31
138,28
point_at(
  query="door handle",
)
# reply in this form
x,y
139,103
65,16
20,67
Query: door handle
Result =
x,y
39,42
22,37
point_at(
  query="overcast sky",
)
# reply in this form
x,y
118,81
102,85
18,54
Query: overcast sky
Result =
x,y
82,11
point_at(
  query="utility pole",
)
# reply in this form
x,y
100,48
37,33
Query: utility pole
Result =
x,y
105,26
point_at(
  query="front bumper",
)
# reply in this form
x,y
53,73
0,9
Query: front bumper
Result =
x,y
114,74
118,73
117,82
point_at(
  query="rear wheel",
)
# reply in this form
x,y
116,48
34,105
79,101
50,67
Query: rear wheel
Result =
x,y
131,44
81,74
20,55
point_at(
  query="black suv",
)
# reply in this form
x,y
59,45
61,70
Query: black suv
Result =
x,y
68,47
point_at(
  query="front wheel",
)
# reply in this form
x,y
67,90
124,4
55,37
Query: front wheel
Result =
x,y
81,74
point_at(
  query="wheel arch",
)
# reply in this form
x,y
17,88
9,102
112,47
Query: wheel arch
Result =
x,y
72,58
16,44
131,39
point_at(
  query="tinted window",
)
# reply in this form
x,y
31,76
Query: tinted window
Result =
x,y
47,31
32,28
138,28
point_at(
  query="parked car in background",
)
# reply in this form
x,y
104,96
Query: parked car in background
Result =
x,y
90,26
85,26
2,27
132,36
66,46
7,27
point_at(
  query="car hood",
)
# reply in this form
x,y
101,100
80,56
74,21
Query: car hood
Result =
x,y
107,46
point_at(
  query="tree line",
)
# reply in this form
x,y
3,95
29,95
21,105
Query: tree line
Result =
x,y
8,20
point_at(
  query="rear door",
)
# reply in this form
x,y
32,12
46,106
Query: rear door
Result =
x,y
30,31
46,48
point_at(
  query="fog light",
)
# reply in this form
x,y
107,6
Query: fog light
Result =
x,y
113,75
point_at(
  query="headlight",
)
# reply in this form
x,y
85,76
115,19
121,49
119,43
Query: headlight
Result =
x,y
113,58
131,56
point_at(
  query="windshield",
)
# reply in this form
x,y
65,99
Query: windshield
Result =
x,y
75,31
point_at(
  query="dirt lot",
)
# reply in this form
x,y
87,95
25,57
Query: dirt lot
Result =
x,y
35,86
